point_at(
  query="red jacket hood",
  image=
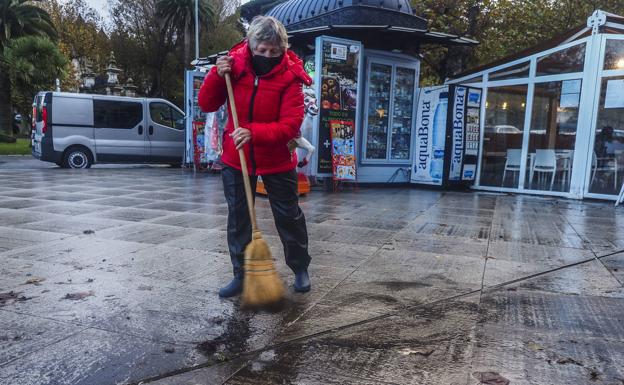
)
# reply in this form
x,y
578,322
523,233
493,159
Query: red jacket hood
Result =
x,y
241,53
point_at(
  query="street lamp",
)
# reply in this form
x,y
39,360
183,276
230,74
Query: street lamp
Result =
x,y
196,29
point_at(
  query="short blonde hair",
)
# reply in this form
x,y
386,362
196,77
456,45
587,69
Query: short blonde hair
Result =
x,y
267,29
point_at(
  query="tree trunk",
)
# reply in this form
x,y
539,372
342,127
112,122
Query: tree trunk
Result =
x,y
6,110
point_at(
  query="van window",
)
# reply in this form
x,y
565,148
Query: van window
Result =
x,y
166,115
116,114
39,107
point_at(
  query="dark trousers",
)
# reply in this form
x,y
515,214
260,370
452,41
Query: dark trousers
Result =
x,y
289,219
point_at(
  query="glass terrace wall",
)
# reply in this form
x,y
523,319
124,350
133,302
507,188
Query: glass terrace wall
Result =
x,y
554,121
606,170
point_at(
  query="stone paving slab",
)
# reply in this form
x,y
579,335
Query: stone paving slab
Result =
x,y
17,273
397,275
15,238
66,208
72,225
9,217
615,264
590,278
24,334
414,348
128,214
95,357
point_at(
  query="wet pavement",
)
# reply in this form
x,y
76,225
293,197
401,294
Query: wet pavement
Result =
x,y
110,276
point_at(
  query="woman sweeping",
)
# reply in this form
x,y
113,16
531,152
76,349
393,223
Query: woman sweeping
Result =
x,y
267,80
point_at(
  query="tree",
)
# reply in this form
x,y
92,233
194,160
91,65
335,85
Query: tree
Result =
x,y
502,27
227,29
180,16
18,18
145,46
33,64
149,50
81,36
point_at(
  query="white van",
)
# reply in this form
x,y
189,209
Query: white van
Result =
x,y
78,130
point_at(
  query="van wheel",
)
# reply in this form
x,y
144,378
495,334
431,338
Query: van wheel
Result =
x,y
77,157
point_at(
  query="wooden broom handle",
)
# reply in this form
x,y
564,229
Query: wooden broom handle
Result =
x,y
241,154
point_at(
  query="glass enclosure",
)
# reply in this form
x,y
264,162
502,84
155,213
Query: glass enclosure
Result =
x,y
546,152
552,135
607,164
389,112
502,138
572,120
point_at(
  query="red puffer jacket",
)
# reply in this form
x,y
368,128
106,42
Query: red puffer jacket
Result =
x,y
270,106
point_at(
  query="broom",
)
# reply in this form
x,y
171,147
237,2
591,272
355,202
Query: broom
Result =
x,y
262,286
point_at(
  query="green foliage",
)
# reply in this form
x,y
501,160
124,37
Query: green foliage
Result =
x,y
152,50
80,32
180,16
33,63
24,18
18,18
503,27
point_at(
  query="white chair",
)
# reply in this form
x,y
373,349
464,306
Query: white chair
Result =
x,y
514,158
564,164
607,164
619,157
545,162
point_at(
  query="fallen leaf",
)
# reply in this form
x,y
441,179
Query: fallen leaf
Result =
x,y
534,346
34,281
79,296
419,352
490,378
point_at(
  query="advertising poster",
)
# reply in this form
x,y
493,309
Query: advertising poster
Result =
x,y
204,130
338,95
431,119
471,135
343,149
195,119
458,122
614,97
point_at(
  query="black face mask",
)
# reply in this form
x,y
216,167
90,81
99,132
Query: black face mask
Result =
x,y
262,65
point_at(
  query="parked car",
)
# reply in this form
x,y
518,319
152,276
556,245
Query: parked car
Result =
x,y
78,130
503,129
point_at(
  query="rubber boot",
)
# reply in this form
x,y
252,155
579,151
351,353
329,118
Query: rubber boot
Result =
x,y
302,282
235,287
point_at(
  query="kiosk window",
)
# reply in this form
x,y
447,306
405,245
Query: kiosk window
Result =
x,y
614,55
114,114
565,61
516,71
165,115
